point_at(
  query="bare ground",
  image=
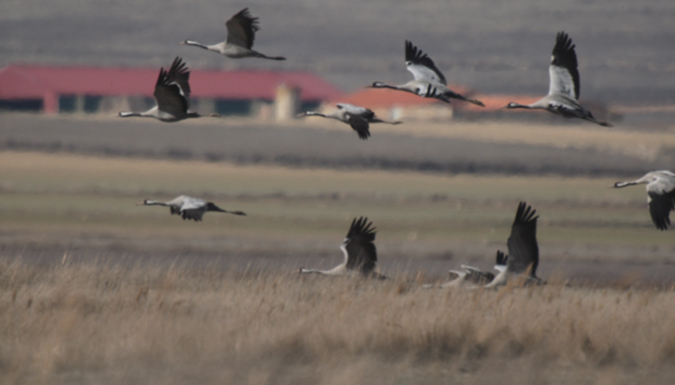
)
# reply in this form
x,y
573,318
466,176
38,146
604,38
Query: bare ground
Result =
x,y
444,148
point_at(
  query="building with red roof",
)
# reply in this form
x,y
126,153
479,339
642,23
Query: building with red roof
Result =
x,y
92,89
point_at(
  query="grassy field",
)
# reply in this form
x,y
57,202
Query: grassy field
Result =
x,y
71,324
69,202
94,289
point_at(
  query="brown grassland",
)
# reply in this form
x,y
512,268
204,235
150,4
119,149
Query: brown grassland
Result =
x,y
94,289
70,324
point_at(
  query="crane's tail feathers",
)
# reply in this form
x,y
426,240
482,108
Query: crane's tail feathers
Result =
x,y
272,57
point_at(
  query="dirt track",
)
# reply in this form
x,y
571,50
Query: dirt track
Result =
x,y
221,140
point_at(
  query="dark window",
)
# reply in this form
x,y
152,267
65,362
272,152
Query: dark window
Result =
x,y
21,105
233,107
67,103
91,103
310,106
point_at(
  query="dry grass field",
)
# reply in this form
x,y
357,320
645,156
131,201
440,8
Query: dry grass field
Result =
x,y
94,289
77,324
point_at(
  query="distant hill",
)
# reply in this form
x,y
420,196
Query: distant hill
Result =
x,y
625,48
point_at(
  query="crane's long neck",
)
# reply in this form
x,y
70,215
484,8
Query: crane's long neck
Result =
x,y
337,270
513,105
149,202
214,47
314,271
334,115
151,113
378,120
624,184
314,113
392,87
128,114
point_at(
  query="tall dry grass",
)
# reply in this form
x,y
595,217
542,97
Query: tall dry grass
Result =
x,y
97,323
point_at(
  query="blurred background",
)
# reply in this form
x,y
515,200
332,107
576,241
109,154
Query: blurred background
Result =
x,y
442,188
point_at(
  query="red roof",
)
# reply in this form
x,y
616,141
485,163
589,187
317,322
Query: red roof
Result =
x,y
387,98
27,81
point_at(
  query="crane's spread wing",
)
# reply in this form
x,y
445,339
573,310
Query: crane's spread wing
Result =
x,y
523,248
501,259
190,203
660,206
241,29
477,276
360,125
359,246
172,89
356,110
563,73
194,214
193,208
421,65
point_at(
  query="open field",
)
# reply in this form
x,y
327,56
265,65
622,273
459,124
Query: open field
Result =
x,y
94,289
83,206
73,324
451,147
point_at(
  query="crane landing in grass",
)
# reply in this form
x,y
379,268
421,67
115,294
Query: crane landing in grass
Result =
x,y
472,276
359,252
189,208
523,257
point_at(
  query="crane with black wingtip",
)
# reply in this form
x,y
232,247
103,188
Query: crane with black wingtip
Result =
x,y
523,257
360,254
359,118
189,208
564,86
241,29
172,93
429,81
660,186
